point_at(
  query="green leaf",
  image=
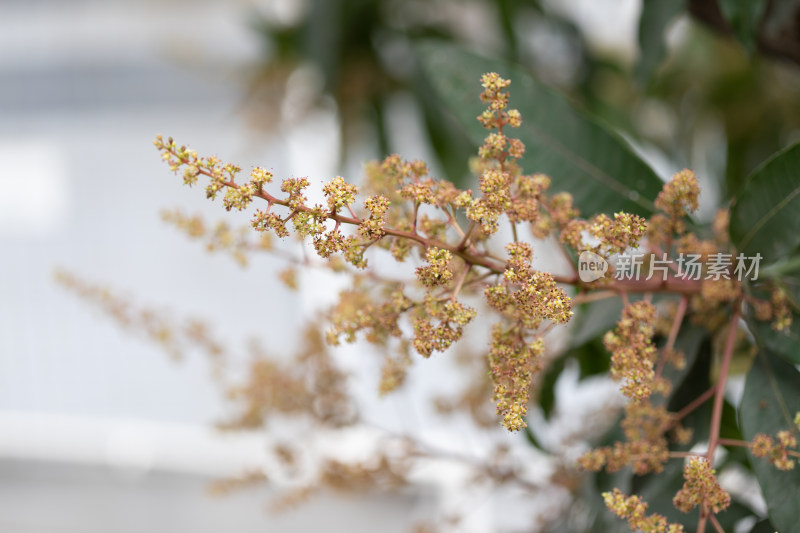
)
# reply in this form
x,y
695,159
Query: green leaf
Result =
x,y
764,217
656,16
771,399
733,514
594,319
547,391
695,344
763,526
729,429
744,16
582,157
787,266
533,440
784,343
592,358
694,382
452,146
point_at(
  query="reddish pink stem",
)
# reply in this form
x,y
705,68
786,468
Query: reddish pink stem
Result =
x,y
673,334
719,397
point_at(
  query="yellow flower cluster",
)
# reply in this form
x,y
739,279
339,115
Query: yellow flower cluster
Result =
x,y
512,361
339,193
505,191
701,488
645,448
679,197
781,310
372,227
633,509
776,452
632,350
356,311
439,324
437,272
613,236
527,295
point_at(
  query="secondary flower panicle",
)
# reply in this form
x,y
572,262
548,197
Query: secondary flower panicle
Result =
x,y
680,195
437,272
776,450
633,352
633,509
438,324
701,488
512,361
339,194
645,448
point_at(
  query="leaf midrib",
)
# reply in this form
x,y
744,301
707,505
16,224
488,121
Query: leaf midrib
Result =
x,y
592,170
768,216
776,388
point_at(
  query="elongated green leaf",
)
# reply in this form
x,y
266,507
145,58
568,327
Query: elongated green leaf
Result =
x,y
546,397
729,429
763,526
656,16
784,343
693,341
764,218
582,157
771,399
594,319
592,358
693,381
785,269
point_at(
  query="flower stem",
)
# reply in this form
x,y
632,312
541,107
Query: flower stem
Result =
x,y
673,334
694,404
716,524
719,397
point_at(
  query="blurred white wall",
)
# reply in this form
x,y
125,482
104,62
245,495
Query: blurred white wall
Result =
x,y
84,88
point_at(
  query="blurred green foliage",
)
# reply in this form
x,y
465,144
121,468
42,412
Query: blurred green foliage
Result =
x,y
363,52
